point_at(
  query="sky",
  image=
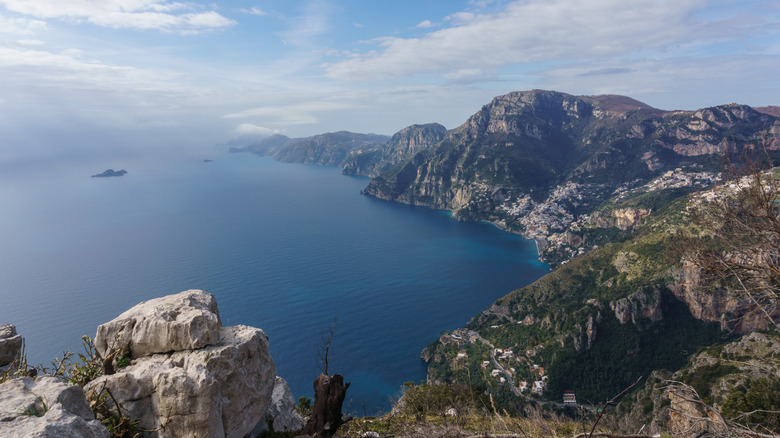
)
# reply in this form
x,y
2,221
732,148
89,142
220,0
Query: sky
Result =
x,y
100,77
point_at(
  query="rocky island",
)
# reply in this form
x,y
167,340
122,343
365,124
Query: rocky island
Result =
x,y
110,172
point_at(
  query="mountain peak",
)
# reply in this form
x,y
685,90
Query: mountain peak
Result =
x,y
620,104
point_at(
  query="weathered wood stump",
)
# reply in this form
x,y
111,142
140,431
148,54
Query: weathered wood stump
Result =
x,y
329,394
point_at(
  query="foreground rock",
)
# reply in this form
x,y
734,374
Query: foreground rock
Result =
x,y
46,407
281,415
185,321
10,344
189,376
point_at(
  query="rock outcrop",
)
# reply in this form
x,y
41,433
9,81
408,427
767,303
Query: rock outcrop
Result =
x,y
644,303
281,415
185,321
620,218
189,376
733,312
10,344
404,144
46,408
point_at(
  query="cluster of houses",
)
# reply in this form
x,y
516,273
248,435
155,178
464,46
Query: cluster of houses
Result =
x,y
677,178
538,383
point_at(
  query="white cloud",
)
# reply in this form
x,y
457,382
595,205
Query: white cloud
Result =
x,y
460,17
675,83
425,24
20,26
30,42
253,11
291,114
128,14
305,29
531,31
248,128
468,75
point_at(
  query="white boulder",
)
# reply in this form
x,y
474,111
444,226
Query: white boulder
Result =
x,y
46,408
185,321
220,390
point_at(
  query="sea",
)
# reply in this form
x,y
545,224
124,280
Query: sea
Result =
x,y
292,249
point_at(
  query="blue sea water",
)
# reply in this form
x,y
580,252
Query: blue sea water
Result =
x,y
283,247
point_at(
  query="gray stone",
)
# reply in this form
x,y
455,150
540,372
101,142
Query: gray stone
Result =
x,y
10,344
46,407
281,411
221,390
185,321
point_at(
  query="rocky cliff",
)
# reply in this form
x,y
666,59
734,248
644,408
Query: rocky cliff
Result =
x,y
534,162
373,160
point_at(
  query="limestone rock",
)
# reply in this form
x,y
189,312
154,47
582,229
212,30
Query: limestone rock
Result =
x,y
46,407
733,312
220,390
282,411
644,303
10,344
185,321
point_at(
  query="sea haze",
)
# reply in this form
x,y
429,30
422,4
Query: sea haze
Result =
x,y
284,247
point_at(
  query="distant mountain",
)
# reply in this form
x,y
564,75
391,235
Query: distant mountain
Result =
x,y
535,154
264,146
329,149
373,160
358,154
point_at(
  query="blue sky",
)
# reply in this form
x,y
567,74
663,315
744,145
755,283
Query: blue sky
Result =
x,y
94,76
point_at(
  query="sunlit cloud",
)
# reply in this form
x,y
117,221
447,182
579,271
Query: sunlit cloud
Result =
x,y
528,32
253,11
20,26
248,128
30,42
124,14
425,24
289,114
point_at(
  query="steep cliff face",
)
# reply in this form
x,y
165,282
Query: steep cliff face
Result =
x,y
737,313
620,218
373,160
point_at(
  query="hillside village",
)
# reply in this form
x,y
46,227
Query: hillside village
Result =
x,y
558,224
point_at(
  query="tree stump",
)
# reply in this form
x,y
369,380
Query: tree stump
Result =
x,y
329,394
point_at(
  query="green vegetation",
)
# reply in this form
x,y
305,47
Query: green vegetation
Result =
x,y
702,378
755,404
623,352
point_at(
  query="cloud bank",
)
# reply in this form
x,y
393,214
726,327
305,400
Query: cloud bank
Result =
x,y
528,32
124,14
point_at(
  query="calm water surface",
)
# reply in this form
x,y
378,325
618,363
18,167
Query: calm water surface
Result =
x,y
283,247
